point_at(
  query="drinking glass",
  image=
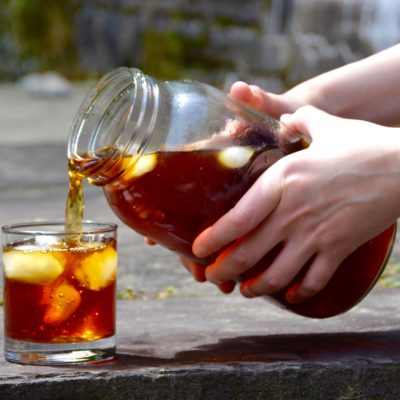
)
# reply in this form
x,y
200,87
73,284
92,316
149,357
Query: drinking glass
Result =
x,y
59,292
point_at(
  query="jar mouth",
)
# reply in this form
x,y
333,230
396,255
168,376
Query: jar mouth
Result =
x,y
113,118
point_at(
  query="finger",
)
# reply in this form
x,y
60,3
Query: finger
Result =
x,y
270,103
251,209
316,278
257,98
252,95
150,242
307,120
282,271
227,287
241,91
196,270
243,255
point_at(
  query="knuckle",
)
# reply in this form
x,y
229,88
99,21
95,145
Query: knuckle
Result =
x,y
241,259
247,291
330,243
211,273
240,219
324,235
292,176
274,284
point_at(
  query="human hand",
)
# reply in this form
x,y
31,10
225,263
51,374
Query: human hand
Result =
x,y
198,273
272,104
320,204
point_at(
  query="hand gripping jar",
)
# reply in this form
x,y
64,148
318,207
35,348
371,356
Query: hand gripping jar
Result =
x,y
174,156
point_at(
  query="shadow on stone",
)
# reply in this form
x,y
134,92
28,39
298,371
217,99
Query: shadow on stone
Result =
x,y
324,347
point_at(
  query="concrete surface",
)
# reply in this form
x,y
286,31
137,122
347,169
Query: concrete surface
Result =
x,y
197,344
227,348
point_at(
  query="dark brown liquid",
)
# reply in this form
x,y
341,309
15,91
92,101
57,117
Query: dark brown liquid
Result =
x,y
78,305
176,195
185,193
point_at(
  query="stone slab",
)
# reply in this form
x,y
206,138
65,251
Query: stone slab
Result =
x,y
27,118
225,347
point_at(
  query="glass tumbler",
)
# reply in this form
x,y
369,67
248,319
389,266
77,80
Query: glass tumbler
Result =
x,y
59,293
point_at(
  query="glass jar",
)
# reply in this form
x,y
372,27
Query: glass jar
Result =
x,y
174,156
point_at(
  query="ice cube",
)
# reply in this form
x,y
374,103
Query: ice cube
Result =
x,y
98,270
48,240
141,165
235,156
35,267
64,300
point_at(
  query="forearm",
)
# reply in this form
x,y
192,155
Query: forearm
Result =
x,y
368,89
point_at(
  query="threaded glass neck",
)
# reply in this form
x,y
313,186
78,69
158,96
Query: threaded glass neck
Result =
x,y
115,118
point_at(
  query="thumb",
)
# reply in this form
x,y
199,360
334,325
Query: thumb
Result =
x,y
258,99
307,121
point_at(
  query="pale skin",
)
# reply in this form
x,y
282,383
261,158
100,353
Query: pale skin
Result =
x,y
322,202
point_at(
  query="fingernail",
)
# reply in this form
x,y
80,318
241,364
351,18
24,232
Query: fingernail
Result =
x,y
292,298
199,276
209,276
246,292
199,251
227,287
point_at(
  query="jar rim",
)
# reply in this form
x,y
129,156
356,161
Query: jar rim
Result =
x,y
95,104
117,115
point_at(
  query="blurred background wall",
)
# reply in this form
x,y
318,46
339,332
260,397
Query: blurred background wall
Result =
x,y
275,43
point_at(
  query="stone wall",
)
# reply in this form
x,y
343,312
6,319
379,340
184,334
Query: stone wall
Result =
x,y
169,37
276,43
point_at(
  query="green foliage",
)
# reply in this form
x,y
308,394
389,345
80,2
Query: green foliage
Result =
x,y
391,276
224,21
166,294
40,35
8,58
171,55
44,32
130,294
163,54
4,16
